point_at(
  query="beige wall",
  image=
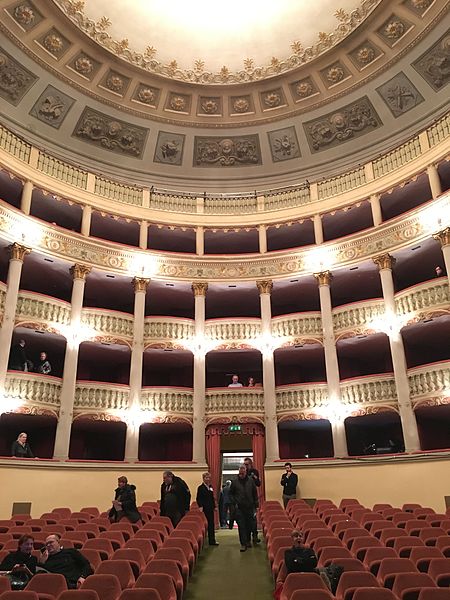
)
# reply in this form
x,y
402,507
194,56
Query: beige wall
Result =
x,y
422,480
47,485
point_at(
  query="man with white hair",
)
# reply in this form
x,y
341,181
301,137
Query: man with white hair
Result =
x,y
206,502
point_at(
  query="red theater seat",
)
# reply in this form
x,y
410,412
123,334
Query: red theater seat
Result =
x,y
106,586
159,581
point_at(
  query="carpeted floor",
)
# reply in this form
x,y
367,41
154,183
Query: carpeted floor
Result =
x,y
224,573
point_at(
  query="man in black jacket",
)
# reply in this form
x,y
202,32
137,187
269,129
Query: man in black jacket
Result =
x,y
66,561
175,497
205,500
253,473
244,496
289,481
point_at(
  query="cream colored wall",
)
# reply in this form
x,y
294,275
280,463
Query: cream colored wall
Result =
x,y
77,486
425,481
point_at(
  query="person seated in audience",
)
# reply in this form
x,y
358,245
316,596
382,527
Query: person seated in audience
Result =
x,y
21,448
124,503
22,558
66,561
175,497
43,365
235,382
18,357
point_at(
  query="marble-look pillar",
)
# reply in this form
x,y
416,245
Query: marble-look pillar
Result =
x,y
444,238
198,419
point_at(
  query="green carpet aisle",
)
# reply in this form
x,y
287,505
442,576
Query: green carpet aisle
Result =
x,y
224,573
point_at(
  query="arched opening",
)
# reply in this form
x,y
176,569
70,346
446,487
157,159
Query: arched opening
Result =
x,y
305,439
40,429
380,433
165,442
97,440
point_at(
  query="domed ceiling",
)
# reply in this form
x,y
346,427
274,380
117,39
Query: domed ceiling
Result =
x,y
224,97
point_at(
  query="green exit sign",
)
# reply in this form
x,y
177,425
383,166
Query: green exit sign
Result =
x,y
234,428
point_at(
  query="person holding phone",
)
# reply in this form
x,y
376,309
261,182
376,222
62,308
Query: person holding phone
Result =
x,y
67,561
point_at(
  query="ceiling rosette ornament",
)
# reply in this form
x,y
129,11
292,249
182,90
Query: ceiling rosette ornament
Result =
x,y
348,19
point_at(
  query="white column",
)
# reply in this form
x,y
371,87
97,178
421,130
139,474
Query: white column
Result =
x,y
198,417
137,357
262,232
200,241
444,238
385,263
25,200
318,229
331,364
270,400
18,254
434,180
62,440
375,205
86,220
143,234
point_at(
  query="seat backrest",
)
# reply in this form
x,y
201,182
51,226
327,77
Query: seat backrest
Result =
x,y
312,595
306,581
24,595
170,567
64,511
404,581
47,583
158,581
333,554
92,510
403,545
78,595
374,556
121,568
93,556
389,534
5,585
364,593
103,545
355,579
140,594
430,534
421,556
438,566
389,567
106,586
145,547
434,594
351,564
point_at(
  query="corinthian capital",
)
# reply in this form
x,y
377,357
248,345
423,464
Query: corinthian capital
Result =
x,y
199,288
79,271
443,237
324,277
264,286
18,252
384,261
140,284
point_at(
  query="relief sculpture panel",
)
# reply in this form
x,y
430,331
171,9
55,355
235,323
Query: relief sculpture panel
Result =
x,y
15,80
236,151
434,65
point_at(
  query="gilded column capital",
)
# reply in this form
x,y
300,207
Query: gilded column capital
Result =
x,y
79,271
264,286
199,288
384,261
18,251
140,284
443,237
324,277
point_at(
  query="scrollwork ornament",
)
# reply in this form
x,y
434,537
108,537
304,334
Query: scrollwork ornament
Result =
x,y
365,55
335,74
146,96
272,99
84,65
241,105
140,284
115,83
394,29
210,106
53,43
304,89
178,103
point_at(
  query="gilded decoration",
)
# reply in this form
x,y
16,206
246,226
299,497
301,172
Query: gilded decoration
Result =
x,y
26,15
115,82
209,105
334,74
324,278
140,284
284,144
15,80
272,99
364,54
434,64
199,288
384,261
199,72
111,134
443,237
393,29
234,151
179,103
147,95
18,251
52,107
352,121
400,95
303,89
84,65
169,148
241,104
264,286
55,43
79,271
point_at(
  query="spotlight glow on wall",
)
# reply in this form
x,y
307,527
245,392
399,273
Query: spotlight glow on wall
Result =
x,y
143,265
319,259
28,233
334,410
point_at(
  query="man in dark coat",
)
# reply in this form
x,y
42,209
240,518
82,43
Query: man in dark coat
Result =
x,y
205,500
175,497
18,357
124,503
244,496
253,473
289,481
66,561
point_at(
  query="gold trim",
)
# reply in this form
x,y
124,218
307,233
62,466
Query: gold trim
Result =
x,y
443,237
18,252
264,286
199,288
324,278
79,271
140,284
384,261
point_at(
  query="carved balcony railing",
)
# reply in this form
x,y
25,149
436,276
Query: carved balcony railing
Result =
x,y
172,201
167,400
301,396
234,401
33,389
278,200
62,171
439,131
397,158
96,395
119,192
423,297
429,380
341,184
234,205
43,309
372,389
109,323
233,331
170,329
297,325
358,315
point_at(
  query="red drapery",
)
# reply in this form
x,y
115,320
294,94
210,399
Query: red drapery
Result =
x,y
213,459
259,458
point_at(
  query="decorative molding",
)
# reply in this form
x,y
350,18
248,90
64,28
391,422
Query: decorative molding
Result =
x,y
265,286
169,148
242,401
400,94
15,80
80,271
283,144
234,151
101,396
108,323
18,252
433,64
199,288
443,237
384,261
323,278
167,400
372,389
301,397
140,284
52,107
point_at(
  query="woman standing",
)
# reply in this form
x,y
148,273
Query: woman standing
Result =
x,y
124,503
21,448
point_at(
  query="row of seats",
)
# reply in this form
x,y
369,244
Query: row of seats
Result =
x,y
396,553
150,560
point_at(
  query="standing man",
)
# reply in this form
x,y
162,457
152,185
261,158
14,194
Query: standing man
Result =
x,y
18,357
205,500
289,481
254,474
244,496
175,497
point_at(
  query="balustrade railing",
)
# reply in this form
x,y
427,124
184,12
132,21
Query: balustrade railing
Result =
x,y
232,401
108,322
341,183
62,171
357,315
430,379
171,329
171,400
233,330
427,295
369,389
101,396
42,308
32,389
297,325
278,200
160,200
397,158
301,396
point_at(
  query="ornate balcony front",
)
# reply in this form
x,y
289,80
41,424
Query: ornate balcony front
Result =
x,y
297,327
424,299
168,330
42,312
233,332
301,397
177,401
371,389
32,393
430,383
358,317
108,324
95,395
240,401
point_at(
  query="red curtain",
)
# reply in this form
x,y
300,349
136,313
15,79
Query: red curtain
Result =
x,y
213,459
259,458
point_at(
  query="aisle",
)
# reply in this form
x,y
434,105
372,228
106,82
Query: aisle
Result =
x,y
224,573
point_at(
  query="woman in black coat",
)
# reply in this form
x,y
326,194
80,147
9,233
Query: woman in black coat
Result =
x,y
21,448
124,503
